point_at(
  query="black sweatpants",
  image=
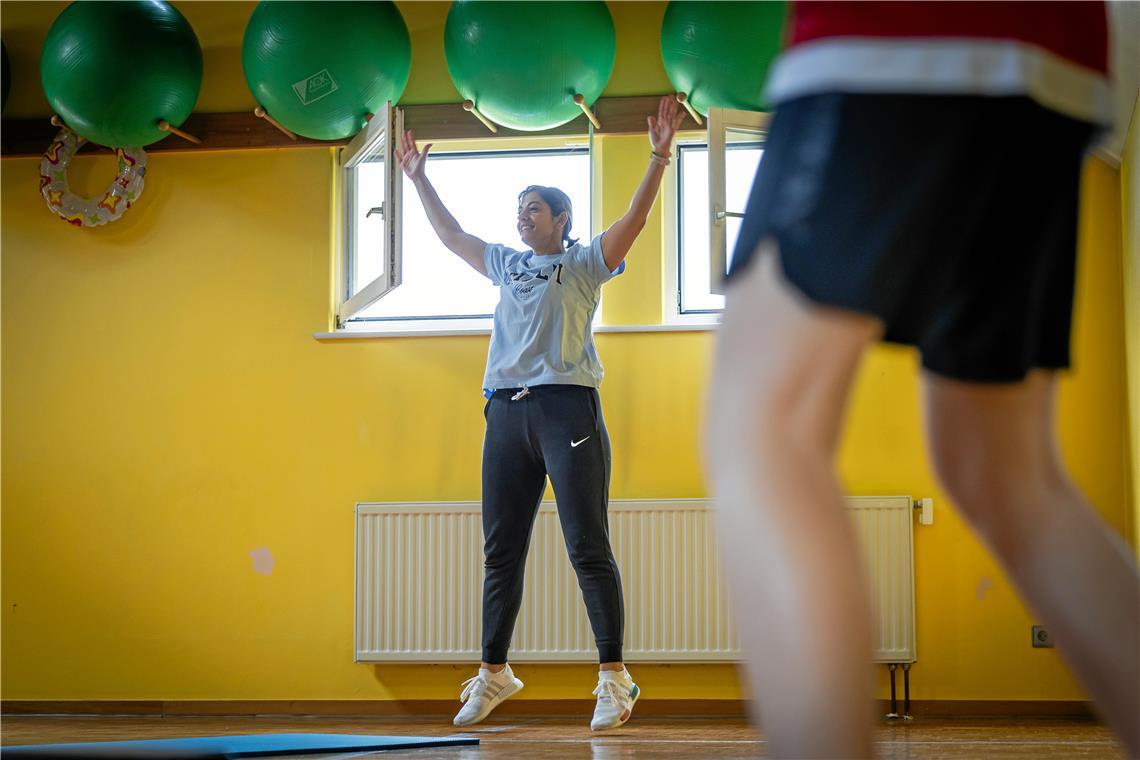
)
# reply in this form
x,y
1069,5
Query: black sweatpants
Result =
x,y
556,430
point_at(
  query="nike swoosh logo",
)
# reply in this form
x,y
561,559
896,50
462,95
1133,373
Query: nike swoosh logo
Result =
x,y
574,444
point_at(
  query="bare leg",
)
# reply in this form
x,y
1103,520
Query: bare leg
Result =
x,y
995,450
779,389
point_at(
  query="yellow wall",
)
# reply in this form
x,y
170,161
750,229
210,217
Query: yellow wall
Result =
x,y
166,412
1130,220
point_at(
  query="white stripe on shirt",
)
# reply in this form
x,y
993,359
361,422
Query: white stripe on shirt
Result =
x,y
941,66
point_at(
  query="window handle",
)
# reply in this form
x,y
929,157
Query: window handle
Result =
x,y
722,214
375,210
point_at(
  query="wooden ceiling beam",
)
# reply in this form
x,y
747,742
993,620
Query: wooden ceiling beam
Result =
x,y
21,138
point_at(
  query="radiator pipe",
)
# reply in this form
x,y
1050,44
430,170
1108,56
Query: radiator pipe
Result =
x,y
894,713
906,692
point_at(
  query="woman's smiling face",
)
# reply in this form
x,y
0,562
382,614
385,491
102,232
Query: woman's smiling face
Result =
x,y
537,226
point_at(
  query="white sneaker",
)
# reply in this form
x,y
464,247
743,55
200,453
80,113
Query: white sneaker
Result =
x,y
616,694
484,693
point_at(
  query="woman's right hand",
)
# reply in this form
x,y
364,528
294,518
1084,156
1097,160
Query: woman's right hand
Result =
x,y
411,160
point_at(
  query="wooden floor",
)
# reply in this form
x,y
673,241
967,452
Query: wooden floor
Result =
x,y
535,738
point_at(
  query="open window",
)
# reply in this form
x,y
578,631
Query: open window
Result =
x,y
371,195
432,290
705,199
736,144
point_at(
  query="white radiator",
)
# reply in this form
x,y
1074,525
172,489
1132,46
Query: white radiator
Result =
x,y
419,581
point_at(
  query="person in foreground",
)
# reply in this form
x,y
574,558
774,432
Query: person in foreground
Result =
x,y
920,185
544,415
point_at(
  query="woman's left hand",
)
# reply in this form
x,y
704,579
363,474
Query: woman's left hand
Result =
x,y
664,125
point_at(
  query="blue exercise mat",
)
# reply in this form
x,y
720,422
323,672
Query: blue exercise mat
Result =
x,y
255,745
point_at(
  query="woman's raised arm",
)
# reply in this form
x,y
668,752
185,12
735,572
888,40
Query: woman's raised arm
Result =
x,y
619,237
464,245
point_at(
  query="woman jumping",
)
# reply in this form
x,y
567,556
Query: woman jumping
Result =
x,y
544,416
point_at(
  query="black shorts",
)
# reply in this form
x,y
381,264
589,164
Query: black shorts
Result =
x,y
952,219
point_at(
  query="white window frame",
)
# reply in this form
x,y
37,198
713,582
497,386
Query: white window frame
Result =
x,y
430,325
720,121
368,143
671,313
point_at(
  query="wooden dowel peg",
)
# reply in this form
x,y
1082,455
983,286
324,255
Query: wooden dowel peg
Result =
x,y
165,126
580,99
261,113
683,99
469,105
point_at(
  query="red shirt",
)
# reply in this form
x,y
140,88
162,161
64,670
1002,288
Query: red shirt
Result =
x,y
1076,31
1054,52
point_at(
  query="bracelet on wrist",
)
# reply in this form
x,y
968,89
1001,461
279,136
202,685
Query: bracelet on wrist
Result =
x,y
657,158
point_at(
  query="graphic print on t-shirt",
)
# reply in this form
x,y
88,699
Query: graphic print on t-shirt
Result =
x,y
525,285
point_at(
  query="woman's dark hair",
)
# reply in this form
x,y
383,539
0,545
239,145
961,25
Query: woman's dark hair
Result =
x,y
558,202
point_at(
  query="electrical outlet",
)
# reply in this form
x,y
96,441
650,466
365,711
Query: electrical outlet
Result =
x,y
1041,637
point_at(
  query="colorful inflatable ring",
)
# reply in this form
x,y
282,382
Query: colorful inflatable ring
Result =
x,y
89,212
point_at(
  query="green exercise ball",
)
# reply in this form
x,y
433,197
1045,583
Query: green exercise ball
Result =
x,y
522,63
113,70
718,53
320,67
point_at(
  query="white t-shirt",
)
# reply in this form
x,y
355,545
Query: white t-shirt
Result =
x,y
542,329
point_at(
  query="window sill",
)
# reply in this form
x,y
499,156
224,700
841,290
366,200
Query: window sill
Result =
x,y
459,331
674,327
